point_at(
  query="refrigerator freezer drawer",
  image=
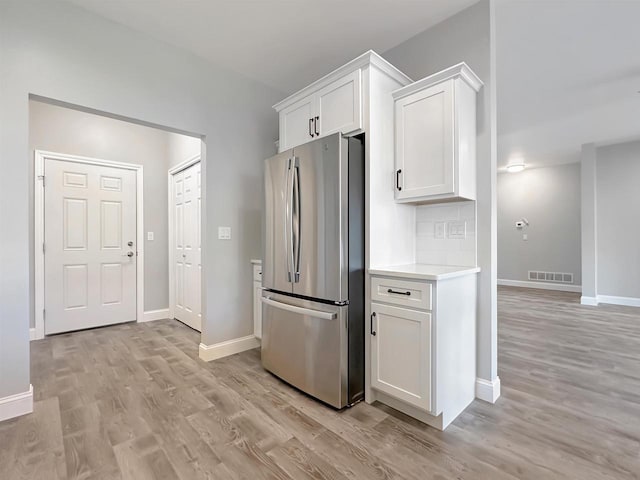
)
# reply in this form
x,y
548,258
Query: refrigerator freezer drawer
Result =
x,y
306,344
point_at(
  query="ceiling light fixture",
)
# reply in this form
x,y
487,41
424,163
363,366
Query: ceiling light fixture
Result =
x,y
515,167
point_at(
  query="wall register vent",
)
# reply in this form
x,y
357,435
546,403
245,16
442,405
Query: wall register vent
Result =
x,y
552,277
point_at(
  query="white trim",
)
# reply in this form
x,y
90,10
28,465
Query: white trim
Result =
x,y
184,165
171,172
32,334
613,300
488,390
38,219
368,58
230,347
461,70
592,301
151,315
16,405
540,285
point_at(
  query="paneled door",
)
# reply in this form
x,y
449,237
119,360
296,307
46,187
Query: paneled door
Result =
x,y
187,266
90,251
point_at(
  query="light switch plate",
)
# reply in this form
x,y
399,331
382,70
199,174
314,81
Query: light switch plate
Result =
x,y
457,230
150,236
224,233
439,230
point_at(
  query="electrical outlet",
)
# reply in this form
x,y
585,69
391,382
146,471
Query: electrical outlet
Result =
x,y
224,233
150,236
525,237
439,230
457,230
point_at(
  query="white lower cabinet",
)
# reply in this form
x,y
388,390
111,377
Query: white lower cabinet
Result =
x,y
257,305
401,337
422,346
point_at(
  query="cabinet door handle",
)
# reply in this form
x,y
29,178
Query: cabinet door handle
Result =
x,y
310,132
398,293
398,172
315,126
373,315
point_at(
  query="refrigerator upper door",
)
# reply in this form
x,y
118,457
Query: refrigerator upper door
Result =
x,y
277,263
319,218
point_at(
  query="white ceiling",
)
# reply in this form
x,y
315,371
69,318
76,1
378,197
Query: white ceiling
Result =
x,y
283,43
568,73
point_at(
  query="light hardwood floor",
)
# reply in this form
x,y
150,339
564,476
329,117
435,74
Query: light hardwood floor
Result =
x,y
135,402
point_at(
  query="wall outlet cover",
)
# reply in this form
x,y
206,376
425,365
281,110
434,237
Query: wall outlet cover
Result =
x,y
150,236
457,230
224,233
439,230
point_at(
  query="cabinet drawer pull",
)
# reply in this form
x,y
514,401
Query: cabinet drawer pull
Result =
x,y
315,126
373,315
398,293
398,172
310,122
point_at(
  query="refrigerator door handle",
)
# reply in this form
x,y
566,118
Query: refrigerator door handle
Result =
x,y
295,220
287,221
299,310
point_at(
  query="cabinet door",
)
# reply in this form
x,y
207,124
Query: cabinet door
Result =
x,y
425,143
257,309
339,106
295,126
401,354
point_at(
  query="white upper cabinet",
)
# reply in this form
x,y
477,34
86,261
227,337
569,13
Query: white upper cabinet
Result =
x,y
339,106
338,102
335,107
435,137
296,123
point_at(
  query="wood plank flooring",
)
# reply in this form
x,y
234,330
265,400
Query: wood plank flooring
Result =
x,y
135,402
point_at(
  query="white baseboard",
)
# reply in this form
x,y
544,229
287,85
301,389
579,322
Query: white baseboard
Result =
x,y
16,405
230,347
613,300
592,301
542,286
152,315
487,390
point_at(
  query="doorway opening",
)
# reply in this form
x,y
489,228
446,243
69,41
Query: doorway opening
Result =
x,y
101,232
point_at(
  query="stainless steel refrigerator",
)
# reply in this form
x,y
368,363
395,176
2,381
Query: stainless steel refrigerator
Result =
x,y
313,268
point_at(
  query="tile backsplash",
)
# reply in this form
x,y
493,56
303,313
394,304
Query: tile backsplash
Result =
x,y
446,234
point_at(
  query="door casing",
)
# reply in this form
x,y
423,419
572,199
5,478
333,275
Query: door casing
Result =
x,y
38,228
172,171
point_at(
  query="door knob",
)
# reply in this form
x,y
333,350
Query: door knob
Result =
x,y
129,254
130,243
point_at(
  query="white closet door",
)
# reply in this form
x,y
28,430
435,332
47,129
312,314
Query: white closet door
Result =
x,y
90,251
187,251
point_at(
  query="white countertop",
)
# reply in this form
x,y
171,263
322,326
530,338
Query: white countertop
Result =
x,y
420,271
256,262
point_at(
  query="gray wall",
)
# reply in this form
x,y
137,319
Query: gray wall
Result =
x,y
63,130
618,215
182,148
549,198
59,51
467,36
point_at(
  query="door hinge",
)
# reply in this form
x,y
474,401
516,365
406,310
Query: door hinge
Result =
x,y
42,177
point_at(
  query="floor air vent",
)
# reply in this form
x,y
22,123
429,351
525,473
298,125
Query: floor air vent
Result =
x,y
553,277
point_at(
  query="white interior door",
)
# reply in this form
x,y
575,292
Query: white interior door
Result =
x,y
187,249
90,251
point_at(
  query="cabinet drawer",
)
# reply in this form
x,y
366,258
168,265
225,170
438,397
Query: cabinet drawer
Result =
x,y
257,273
401,292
